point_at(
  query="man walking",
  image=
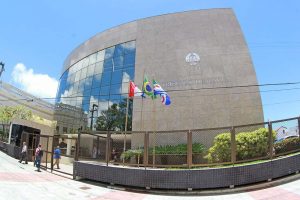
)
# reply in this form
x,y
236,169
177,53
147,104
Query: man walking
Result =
x,y
38,157
24,153
56,156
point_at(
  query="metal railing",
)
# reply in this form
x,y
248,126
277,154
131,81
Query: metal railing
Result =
x,y
191,148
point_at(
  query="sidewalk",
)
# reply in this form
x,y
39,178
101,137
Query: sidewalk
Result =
x,y
20,181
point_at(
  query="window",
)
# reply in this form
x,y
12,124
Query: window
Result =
x,y
118,62
108,65
90,70
116,77
85,62
98,67
104,91
129,59
129,47
106,77
100,56
83,73
109,52
129,72
96,80
118,50
95,92
93,58
115,89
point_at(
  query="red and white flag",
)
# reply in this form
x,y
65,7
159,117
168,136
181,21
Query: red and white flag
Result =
x,y
134,90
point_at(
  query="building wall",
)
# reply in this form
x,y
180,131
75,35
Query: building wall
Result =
x,y
162,44
12,96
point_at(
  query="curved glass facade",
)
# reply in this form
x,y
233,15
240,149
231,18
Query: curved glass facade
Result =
x,y
100,79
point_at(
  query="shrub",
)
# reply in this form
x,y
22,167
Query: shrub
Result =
x,y
220,151
180,149
248,144
286,145
126,155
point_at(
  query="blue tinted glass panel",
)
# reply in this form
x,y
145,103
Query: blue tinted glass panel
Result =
x,y
115,89
93,58
118,61
86,94
104,91
129,47
83,73
109,52
75,87
86,97
95,92
106,77
116,77
108,65
86,107
129,59
81,86
90,70
98,68
88,83
96,80
129,72
118,50
115,100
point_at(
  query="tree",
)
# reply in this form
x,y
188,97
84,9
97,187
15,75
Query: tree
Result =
x,y
114,117
7,113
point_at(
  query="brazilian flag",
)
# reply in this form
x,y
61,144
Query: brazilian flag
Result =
x,y
147,89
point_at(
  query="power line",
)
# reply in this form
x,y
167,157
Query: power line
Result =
x,y
182,90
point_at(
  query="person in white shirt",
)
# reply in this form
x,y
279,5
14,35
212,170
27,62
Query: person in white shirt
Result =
x,y
24,153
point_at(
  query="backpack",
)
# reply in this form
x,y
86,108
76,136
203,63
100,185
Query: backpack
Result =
x,y
41,153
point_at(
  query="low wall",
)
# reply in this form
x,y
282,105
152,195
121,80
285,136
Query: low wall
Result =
x,y
184,179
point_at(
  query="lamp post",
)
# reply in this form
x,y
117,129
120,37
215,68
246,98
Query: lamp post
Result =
x,y
94,108
1,68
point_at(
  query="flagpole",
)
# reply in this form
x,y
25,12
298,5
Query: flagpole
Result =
x,y
142,124
153,124
126,120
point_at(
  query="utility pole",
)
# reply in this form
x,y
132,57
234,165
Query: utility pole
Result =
x,y
94,108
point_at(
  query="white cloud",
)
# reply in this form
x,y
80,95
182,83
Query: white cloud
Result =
x,y
40,85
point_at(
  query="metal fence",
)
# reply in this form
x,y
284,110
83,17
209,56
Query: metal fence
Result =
x,y
167,149
192,148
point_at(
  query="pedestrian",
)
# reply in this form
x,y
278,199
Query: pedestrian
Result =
x,y
56,157
94,152
38,157
24,153
114,155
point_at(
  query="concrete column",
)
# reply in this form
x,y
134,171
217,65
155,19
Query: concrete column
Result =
x,y
69,145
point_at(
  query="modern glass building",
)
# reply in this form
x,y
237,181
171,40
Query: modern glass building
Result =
x,y
100,79
194,55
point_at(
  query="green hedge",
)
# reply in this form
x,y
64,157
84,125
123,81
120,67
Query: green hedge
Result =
x,y
180,149
286,145
248,144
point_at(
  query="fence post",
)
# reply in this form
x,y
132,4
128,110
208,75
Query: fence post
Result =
x,y
146,147
52,150
76,156
97,154
233,145
189,149
108,148
270,140
47,153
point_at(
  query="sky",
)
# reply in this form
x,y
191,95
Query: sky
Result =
x,y
36,37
